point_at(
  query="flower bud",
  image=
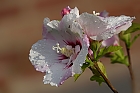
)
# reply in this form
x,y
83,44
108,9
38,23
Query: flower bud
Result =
x,y
65,11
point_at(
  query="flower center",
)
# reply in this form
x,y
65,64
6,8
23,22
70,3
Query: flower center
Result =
x,y
67,50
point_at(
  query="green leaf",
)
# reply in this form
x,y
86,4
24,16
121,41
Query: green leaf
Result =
x,y
76,76
102,68
126,38
95,45
98,79
88,63
135,27
134,39
106,50
119,57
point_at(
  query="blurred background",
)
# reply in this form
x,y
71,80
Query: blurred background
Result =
x,y
21,26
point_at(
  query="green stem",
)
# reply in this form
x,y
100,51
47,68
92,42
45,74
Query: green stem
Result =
x,y
130,69
101,73
104,77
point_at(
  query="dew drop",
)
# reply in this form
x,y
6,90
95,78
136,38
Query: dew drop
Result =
x,y
49,72
80,64
35,47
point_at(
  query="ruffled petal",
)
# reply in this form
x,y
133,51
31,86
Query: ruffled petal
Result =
x,y
104,14
80,59
75,11
92,24
111,41
45,31
57,74
67,21
102,28
42,55
48,27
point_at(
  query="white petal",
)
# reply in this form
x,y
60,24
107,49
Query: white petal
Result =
x,y
75,11
123,27
115,26
114,22
92,24
48,27
111,41
67,21
42,55
80,59
45,31
57,74
76,28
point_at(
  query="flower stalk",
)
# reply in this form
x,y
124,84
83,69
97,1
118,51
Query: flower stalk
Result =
x,y
130,69
104,77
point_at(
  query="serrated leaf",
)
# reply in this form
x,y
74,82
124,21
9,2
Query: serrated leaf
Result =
x,y
134,39
106,50
135,27
95,45
98,79
119,57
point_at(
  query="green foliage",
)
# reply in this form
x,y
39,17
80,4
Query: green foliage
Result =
x,y
95,45
134,39
119,57
97,77
126,35
135,27
88,63
106,50
126,38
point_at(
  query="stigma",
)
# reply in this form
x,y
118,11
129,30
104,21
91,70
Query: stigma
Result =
x,y
67,50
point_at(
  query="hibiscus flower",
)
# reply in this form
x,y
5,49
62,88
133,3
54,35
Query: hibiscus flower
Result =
x,y
61,53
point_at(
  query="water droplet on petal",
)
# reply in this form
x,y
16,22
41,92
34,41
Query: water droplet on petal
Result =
x,y
80,64
49,72
35,47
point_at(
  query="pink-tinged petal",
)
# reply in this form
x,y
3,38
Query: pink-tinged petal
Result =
x,y
42,55
45,31
114,40
48,27
80,59
77,49
67,21
65,11
119,23
104,14
76,28
102,28
75,11
92,24
123,27
57,74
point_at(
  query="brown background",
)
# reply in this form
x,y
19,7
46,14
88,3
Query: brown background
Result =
x,y
21,26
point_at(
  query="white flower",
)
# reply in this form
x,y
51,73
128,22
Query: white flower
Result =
x,y
61,53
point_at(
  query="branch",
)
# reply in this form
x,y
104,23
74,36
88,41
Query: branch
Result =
x,y
130,69
104,77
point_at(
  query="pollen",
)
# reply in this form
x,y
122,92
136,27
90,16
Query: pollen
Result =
x,y
67,50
